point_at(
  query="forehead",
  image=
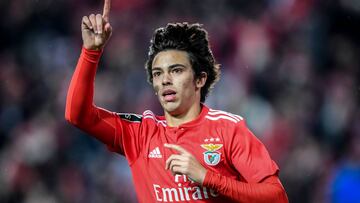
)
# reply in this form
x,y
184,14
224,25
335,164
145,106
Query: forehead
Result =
x,y
170,57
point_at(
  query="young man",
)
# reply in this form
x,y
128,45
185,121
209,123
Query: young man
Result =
x,y
192,153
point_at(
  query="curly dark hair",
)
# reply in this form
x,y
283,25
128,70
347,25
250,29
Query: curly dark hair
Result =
x,y
193,39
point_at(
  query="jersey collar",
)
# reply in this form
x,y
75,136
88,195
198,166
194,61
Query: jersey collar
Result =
x,y
197,121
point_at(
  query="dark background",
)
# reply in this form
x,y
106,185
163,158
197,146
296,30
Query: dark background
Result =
x,y
289,67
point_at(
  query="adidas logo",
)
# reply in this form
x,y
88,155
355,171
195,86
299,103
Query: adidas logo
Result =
x,y
155,153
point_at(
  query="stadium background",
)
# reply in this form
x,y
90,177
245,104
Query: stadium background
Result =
x,y
290,67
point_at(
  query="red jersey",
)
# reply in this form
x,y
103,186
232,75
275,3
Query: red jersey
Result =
x,y
220,141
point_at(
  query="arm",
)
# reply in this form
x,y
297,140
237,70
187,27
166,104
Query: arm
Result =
x,y
80,110
259,172
120,135
269,189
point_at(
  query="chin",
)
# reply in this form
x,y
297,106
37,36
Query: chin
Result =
x,y
171,107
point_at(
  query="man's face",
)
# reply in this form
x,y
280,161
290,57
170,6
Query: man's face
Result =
x,y
174,82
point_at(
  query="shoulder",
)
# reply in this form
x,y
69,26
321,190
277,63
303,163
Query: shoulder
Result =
x,y
131,117
219,116
146,117
151,117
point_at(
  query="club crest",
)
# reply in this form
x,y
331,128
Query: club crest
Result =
x,y
211,156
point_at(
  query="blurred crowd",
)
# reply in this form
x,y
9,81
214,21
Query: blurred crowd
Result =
x,y
289,67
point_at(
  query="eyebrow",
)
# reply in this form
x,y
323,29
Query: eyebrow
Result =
x,y
169,67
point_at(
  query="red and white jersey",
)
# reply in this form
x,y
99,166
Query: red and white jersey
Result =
x,y
219,140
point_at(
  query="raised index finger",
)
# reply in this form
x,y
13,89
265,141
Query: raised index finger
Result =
x,y
177,148
106,10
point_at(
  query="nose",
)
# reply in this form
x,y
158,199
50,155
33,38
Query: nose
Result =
x,y
166,80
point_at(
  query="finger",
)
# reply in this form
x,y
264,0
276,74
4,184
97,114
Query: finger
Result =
x,y
93,22
175,162
106,10
177,148
108,29
175,166
177,169
172,158
99,23
87,22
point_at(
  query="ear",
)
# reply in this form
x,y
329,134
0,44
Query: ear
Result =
x,y
200,82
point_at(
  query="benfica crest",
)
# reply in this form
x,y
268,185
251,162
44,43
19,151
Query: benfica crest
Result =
x,y
211,156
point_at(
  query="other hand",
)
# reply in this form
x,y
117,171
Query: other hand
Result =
x,y
185,163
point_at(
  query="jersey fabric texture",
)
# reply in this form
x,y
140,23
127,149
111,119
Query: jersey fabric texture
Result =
x,y
219,140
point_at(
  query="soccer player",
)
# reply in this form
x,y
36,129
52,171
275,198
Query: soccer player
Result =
x,y
191,154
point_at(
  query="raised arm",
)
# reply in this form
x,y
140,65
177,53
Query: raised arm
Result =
x,y
80,110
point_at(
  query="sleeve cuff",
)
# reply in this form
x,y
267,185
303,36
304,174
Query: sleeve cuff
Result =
x,y
210,179
92,56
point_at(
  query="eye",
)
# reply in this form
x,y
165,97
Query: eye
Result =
x,y
177,70
156,74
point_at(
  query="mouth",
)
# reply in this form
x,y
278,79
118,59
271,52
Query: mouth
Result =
x,y
169,95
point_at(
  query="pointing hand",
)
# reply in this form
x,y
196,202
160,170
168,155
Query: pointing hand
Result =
x,y
96,29
185,163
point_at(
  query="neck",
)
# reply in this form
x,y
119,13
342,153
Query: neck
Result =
x,y
175,120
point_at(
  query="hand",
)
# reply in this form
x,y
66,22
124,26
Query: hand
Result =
x,y
185,163
96,29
